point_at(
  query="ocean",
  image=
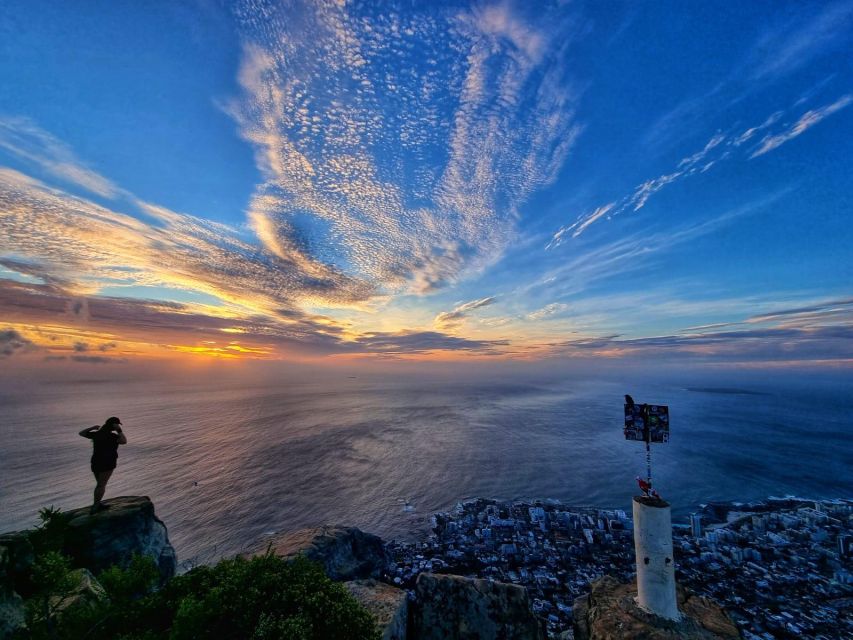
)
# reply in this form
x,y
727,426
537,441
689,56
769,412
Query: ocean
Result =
x,y
229,461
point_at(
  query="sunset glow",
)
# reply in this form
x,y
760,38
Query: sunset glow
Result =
x,y
482,181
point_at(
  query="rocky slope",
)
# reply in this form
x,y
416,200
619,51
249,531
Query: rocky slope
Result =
x,y
441,607
610,613
346,553
449,607
445,607
389,606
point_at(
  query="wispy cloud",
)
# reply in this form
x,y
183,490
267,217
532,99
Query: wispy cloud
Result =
x,y
785,48
84,246
621,254
25,141
451,319
819,330
788,43
697,162
721,147
548,310
807,120
747,135
751,345
824,311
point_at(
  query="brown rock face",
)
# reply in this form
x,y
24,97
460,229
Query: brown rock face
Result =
x,y
389,605
128,526
610,613
346,553
456,608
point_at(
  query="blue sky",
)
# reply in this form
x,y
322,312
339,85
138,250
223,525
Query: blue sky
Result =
x,y
432,180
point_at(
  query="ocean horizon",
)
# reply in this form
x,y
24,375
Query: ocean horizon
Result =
x,y
228,462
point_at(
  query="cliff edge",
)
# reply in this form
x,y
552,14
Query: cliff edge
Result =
x,y
126,527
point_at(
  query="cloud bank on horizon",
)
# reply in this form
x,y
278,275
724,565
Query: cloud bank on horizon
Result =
x,y
412,169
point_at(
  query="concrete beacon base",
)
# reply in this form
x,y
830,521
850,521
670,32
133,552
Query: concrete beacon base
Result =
x,y
655,564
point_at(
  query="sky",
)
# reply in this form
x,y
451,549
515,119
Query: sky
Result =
x,y
338,181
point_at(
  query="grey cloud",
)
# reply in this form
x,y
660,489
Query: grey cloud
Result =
x,y
771,343
12,342
175,323
421,341
96,359
833,307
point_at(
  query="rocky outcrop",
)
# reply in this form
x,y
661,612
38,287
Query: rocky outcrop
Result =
x,y
389,606
346,553
452,607
16,561
126,527
12,614
609,612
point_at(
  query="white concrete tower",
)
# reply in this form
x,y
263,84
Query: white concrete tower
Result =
x,y
655,564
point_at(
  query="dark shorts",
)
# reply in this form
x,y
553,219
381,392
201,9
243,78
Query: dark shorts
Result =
x,y
99,466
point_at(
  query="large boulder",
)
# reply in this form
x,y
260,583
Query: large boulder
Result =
x,y
449,607
346,553
12,614
389,605
610,612
126,527
16,560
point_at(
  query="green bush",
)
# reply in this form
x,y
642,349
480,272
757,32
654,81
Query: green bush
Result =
x,y
137,580
265,598
53,582
49,534
262,598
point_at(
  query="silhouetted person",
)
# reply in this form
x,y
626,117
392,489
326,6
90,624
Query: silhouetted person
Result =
x,y
105,441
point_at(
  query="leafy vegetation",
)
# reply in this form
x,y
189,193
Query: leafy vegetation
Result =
x,y
263,598
49,534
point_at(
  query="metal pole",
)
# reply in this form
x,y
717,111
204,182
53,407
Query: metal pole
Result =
x,y
647,432
649,464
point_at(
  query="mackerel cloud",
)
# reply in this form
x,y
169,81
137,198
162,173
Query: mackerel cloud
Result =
x,y
399,148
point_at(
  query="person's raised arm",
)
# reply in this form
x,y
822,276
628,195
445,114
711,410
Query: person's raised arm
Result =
x,y
121,437
87,433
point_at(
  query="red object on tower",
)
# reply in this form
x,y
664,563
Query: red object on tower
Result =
x,y
645,486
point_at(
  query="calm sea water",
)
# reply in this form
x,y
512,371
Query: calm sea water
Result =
x,y
227,463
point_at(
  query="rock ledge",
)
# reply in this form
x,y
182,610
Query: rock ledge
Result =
x,y
346,553
609,612
128,526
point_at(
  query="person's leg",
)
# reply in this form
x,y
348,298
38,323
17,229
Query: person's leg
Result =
x,y
101,487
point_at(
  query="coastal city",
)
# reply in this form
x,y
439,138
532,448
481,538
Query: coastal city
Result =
x,y
782,568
